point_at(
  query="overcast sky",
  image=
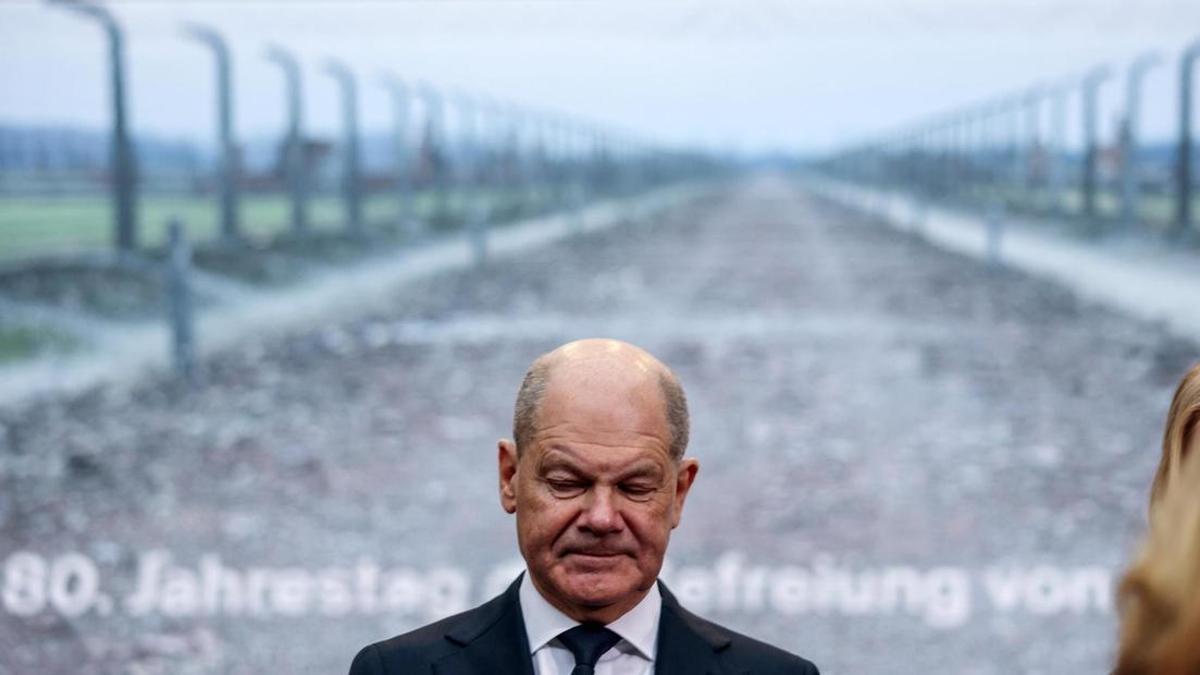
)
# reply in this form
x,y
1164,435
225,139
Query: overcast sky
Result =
x,y
752,75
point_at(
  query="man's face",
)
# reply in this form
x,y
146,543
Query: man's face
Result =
x,y
596,495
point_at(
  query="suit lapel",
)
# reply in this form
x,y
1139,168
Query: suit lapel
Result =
x,y
687,645
493,642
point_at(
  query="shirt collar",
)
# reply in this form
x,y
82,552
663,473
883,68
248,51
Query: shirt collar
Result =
x,y
544,622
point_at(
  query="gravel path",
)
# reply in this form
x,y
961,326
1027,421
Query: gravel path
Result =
x,y
911,463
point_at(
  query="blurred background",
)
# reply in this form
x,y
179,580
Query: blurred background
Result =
x,y
271,273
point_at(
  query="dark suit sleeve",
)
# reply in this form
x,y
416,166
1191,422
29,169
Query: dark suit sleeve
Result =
x,y
800,667
793,666
367,662
778,662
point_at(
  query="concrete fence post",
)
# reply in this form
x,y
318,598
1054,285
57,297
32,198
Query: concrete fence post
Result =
x,y
1130,184
122,162
994,225
295,163
352,184
179,301
1183,188
437,153
399,94
228,145
1092,82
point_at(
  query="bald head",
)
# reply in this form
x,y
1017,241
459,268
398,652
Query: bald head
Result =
x,y
613,363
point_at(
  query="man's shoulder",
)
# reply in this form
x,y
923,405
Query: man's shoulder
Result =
x,y
760,657
746,653
425,644
417,648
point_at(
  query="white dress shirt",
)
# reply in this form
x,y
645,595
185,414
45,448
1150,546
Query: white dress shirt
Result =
x,y
633,655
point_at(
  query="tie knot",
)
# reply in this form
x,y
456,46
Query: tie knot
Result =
x,y
588,642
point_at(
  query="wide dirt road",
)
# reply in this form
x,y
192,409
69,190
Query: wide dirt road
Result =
x,y
910,463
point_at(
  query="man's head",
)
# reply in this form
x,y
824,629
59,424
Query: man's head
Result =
x,y
596,474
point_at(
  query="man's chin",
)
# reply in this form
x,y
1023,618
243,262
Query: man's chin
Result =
x,y
595,586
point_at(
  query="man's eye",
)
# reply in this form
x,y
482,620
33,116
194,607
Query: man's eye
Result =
x,y
564,485
637,490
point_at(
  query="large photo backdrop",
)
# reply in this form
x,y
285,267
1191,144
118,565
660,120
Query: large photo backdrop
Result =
x,y
269,285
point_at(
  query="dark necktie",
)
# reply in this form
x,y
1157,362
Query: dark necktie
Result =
x,y
587,643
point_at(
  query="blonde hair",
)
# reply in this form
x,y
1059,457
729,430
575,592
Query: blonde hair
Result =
x,y
1159,597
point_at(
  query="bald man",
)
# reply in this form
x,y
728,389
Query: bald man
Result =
x,y
596,476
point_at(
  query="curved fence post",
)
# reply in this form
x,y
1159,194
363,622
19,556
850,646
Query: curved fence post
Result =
x,y
1183,189
1130,187
436,155
351,170
400,103
229,159
1032,100
475,209
294,160
1057,147
123,163
1092,82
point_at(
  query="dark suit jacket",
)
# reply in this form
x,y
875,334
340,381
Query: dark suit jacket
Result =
x,y
491,640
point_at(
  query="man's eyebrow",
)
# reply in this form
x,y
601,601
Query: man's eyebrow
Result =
x,y
643,469
556,458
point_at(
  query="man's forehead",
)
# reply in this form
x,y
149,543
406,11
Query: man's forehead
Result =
x,y
604,458
588,431
613,432
602,403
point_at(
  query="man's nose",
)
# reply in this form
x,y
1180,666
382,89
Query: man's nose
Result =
x,y
600,514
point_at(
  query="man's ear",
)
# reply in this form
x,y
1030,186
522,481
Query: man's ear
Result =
x,y
507,460
684,477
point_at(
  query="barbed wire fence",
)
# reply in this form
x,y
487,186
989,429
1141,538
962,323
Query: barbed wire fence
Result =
x,y
1010,153
453,163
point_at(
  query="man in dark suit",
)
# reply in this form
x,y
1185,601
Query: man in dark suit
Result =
x,y
596,476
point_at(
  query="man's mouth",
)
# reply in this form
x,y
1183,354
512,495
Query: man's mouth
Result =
x,y
596,554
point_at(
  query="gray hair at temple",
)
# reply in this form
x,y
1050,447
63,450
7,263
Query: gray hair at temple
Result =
x,y
533,388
